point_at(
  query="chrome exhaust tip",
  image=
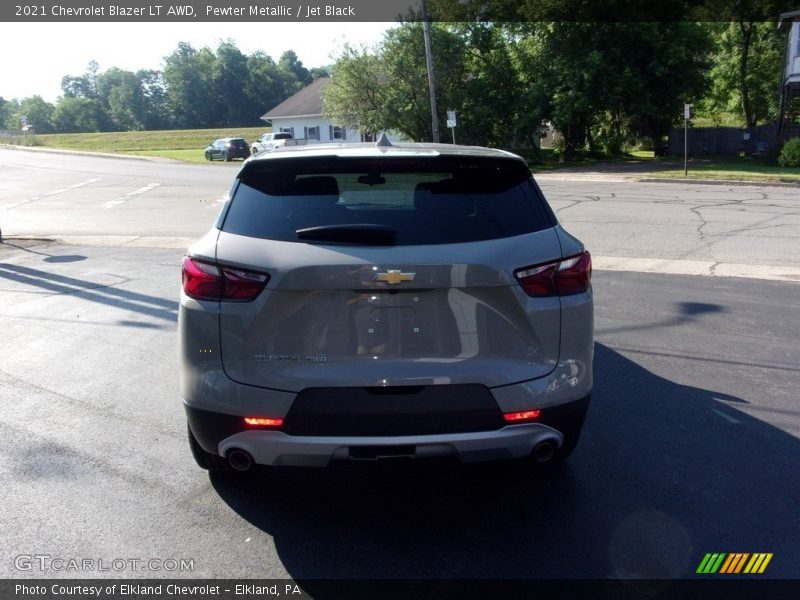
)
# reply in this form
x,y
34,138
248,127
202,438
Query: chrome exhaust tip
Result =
x,y
544,451
239,460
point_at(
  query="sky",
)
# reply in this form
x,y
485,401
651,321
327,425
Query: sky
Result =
x,y
46,52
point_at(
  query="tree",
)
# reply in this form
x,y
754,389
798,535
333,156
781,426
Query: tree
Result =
x,y
154,110
490,94
748,62
357,95
291,64
267,85
81,86
618,79
37,113
119,95
189,79
75,115
317,72
406,69
6,109
231,76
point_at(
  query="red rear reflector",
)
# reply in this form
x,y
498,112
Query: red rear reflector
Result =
x,y
263,422
524,415
558,278
204,280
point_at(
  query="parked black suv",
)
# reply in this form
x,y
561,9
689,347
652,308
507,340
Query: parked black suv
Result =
x,y
227,149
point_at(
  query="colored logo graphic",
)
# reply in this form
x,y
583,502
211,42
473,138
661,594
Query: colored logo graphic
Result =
x,y
733,563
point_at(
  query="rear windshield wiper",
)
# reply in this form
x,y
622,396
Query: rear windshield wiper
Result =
x,y
361,233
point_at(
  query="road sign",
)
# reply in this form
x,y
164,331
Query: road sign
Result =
x,y
687,111
451,118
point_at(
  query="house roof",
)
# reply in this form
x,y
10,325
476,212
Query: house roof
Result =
x,y
306,102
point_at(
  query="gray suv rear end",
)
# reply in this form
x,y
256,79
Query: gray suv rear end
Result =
x,y
359,302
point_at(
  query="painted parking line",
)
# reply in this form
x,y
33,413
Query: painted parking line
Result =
x,y
54,192
122,199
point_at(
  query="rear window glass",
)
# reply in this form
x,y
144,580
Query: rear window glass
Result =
x,y
421,200
282,136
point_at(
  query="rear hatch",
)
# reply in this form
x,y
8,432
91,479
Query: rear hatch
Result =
x,y
388,271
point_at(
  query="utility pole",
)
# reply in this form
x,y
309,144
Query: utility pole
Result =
x,y
426,32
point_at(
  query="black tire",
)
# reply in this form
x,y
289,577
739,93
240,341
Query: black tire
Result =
x,y
206,460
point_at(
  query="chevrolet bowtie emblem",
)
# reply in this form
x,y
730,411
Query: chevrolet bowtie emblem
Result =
x,y
393,276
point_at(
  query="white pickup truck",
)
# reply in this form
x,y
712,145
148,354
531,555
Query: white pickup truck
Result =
x,y
270,141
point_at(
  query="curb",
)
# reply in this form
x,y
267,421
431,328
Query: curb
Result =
x,y
49,150
736,182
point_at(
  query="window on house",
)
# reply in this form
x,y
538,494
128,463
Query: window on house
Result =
x,y
311,133
367,137
337,133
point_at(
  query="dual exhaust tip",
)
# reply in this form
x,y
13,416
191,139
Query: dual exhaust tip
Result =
x,y
239,460
544,451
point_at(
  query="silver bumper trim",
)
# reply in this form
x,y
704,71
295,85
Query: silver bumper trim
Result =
x,y
277,448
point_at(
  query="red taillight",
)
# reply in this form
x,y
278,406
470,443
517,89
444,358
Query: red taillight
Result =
x,y
263,422
558,278
203,280
523,415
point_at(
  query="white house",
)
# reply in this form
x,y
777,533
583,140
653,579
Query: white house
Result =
x,y
789,121
301,115
791,73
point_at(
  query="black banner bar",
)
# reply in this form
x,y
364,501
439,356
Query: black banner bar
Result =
x,y
730,588
391,10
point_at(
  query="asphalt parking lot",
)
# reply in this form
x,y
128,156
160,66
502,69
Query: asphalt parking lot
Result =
x,y
691,444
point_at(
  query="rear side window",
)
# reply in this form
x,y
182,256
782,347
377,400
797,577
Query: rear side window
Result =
x,y
436,200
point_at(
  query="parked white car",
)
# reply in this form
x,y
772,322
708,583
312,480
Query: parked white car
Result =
x,y
269,141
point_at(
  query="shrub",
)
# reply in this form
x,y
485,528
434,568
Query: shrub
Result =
x,y
790,153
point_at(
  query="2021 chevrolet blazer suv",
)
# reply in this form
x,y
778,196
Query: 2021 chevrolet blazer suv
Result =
x,y
364,301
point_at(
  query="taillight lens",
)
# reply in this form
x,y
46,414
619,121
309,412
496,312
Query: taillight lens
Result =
x,y
521,416
558,278
268,422
204,280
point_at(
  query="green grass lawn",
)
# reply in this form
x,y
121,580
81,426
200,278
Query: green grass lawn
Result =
x,y
733,169
191,156
152,143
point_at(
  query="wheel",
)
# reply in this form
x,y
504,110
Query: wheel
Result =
x,y
206,460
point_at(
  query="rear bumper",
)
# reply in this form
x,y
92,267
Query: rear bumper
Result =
x,y
277,448
220,433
